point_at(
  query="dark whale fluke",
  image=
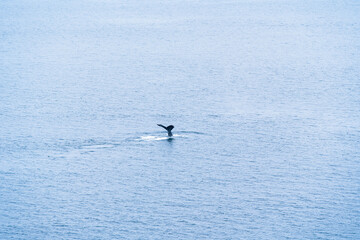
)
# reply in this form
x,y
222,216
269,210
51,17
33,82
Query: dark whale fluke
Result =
x,y
168,129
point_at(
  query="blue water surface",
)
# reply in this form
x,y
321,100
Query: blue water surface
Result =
x,y
263,94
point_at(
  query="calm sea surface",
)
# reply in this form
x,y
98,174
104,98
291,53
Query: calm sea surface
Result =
x,y
264,96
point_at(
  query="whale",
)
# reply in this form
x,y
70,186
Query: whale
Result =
x,y
168,129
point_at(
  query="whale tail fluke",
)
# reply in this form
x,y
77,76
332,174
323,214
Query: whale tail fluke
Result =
x,y
168,129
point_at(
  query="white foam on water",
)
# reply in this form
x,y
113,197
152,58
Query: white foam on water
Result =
x,y
152,138
157,138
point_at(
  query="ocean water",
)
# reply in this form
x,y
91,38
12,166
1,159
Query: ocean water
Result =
x,y
264,96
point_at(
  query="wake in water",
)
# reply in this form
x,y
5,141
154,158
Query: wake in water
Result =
x,y
181,135
157,138
95,145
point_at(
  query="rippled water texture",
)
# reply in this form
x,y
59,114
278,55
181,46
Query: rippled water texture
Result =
x,y
263,94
